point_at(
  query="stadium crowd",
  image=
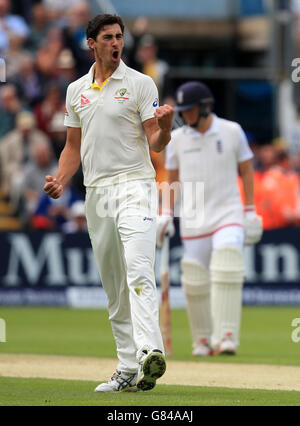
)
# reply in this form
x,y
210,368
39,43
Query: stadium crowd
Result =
x,y
44,47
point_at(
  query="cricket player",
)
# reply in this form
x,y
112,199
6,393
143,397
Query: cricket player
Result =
x,y
113,118
205,156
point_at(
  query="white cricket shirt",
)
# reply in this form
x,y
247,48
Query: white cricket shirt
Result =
x,y
208,171
114,147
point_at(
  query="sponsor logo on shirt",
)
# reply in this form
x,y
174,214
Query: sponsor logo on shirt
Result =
x,y
66,112
188,151
84,101
149,219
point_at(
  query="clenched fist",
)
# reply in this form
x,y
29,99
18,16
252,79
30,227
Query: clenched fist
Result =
x,y
53,188
164,116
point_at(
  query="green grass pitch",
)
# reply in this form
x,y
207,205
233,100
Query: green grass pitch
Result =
x,y
42,392
265,339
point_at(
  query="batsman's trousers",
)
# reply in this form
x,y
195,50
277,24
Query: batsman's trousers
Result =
x,y
122,226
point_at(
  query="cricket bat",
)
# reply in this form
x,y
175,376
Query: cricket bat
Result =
x,y
165,312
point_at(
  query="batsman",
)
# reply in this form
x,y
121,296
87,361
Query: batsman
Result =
x,y
205,156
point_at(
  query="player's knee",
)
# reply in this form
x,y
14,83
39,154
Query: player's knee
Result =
x,y
139,271
227,265
195,278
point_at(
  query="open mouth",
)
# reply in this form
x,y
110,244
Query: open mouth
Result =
x,y
115,54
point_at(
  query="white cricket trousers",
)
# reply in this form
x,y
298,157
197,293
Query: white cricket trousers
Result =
x,y
200,249
122,226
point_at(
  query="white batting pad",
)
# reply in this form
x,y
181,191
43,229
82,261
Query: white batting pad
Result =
x,y
227,276
196,286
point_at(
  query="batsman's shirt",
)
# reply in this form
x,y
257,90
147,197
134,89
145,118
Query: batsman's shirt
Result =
x,y
208,172
114,147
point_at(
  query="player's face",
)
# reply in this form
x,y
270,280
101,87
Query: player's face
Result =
x,y
190,116
108,45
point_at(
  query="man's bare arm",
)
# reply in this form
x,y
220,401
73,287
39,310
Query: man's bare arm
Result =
x,y
247,175
169,194
67,166
158,129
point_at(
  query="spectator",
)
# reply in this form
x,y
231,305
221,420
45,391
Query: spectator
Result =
x,y
10,26
10,106
53,214
41,164
75,36
23,8
14,56
150,64
57,133
266,158
279,194
15,153
45,111
29,81
48,54
57,9
39,27
77,221
139,29
66,71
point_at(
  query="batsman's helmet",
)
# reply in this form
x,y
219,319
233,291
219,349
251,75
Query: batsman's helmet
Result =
x,y
193,93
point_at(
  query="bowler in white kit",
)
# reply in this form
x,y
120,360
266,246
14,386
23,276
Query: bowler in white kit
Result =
x,y
205,156
113,118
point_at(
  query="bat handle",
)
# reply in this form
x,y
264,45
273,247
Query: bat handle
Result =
x,y
164,263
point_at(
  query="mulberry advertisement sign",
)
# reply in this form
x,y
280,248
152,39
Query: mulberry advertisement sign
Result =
x,y
57,269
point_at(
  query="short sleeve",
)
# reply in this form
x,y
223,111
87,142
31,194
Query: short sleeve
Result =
x,y
244,151
71,117
148,99
171,162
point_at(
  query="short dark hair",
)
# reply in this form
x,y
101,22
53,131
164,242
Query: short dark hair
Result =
x,y
96,24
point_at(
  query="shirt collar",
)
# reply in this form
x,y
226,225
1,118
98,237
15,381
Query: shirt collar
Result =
x,y
117,75
214,128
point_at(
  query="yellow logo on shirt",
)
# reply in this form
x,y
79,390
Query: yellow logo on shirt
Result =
x,y
122,95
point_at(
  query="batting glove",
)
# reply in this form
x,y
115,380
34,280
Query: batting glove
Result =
x,y
253,226
164,226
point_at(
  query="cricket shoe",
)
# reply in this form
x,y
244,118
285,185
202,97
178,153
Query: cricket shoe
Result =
x,y
152,367
227,346
119,382
202,348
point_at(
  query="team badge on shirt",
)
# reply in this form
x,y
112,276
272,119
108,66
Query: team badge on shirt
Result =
x,y
155,103
122,95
